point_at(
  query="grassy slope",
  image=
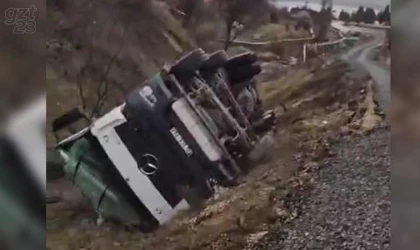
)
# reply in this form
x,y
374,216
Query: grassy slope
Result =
x,y
144,36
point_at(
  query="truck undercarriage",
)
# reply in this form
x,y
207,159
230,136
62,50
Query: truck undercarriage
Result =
x,y
191,125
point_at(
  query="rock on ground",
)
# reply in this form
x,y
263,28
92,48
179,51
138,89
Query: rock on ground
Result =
x,y
349,206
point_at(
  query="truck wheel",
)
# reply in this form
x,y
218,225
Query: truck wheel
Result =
x,y
244,73
216,60
241,59
187,65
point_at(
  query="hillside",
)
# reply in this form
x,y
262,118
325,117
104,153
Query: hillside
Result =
x,y
106,48
97,51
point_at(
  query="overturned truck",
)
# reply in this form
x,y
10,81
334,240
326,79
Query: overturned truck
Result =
x,y
190,127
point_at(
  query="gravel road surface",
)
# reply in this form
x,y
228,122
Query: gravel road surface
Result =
x,y
349,206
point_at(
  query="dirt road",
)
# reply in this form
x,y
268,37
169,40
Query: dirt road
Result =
x,y
358,57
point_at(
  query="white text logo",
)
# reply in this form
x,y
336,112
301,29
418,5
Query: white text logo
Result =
x,y
22,18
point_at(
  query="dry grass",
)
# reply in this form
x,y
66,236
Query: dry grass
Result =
x,y
300,81
324,101
279,90
143,34
274,32
370,119
267,37
208,33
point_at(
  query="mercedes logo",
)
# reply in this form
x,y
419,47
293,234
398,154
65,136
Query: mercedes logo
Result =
x,y
149,164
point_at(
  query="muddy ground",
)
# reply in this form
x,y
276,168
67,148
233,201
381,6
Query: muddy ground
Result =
x,y
324,103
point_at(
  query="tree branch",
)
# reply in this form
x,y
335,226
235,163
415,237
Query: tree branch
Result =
x,y
103,83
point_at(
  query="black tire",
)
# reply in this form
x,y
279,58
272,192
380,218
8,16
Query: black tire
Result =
x,y
216,60
237,87
246,58
244,73
189,64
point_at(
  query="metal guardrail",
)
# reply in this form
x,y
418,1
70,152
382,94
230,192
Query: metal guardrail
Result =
x,y
306,39
371,26
327,46
307,42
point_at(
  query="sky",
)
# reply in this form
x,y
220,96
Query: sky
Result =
x,y
376,4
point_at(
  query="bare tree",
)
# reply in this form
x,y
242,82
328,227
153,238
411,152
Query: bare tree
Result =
x,y
103,87
325,18
189,8
326,4
234,13
231,12
85,80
